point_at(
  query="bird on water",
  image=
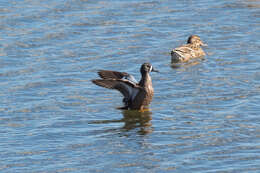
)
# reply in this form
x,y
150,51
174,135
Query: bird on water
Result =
x,y
137,95
188,51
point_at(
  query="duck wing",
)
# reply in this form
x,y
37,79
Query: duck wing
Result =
x,y
184,50
127,88
106,74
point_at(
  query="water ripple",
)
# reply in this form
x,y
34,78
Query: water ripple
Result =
x,y
204,115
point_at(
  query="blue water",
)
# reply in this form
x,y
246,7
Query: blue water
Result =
x,y
205,115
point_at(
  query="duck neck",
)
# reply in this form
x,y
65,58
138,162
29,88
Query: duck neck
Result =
x,y
146,80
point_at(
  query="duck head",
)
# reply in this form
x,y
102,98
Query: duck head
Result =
x,y
147,68
195,40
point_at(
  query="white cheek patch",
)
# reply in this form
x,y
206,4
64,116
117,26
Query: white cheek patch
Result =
x,y
151,68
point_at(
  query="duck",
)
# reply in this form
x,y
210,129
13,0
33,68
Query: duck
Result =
x,y
188,51
137,95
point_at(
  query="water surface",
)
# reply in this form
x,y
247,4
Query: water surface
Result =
x,y
204,116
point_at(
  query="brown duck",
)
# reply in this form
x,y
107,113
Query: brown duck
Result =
x,y
137,96
188,51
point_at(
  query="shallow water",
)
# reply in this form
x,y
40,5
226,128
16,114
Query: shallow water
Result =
x,y
204,116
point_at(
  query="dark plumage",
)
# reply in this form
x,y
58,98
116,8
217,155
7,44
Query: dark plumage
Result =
x,y
136,95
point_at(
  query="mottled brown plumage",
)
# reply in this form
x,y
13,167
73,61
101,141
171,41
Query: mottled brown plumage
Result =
x,y
136,95
188,51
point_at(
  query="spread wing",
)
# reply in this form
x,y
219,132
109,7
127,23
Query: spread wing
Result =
x,y
128,89
106,74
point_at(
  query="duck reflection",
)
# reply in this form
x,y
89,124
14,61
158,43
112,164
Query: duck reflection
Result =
x,y
187,64
133,120
137,119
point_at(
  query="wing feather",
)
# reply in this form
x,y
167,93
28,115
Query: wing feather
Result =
x,y
183,53
106,74
128,89
183,50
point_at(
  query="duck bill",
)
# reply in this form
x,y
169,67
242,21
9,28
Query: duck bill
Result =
x,y
204,44
153,70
